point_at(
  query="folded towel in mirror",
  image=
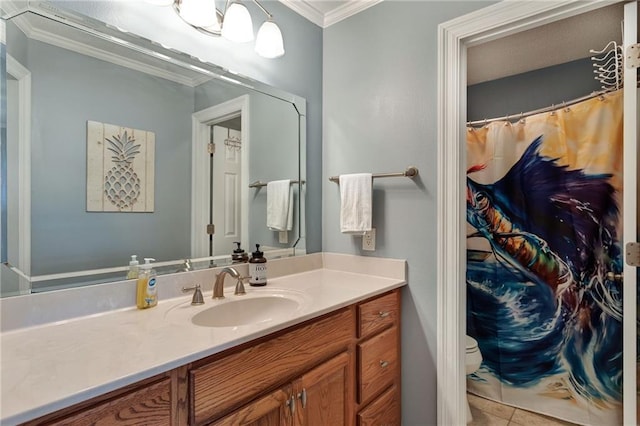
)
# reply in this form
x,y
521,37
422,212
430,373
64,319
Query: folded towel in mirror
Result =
x,y
279,205
355,203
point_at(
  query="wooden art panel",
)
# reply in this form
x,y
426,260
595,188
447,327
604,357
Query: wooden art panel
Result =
x,y
120,168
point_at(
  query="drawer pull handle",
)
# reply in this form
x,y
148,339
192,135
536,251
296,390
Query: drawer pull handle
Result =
x,y
384,364
303,397
291,402
383,314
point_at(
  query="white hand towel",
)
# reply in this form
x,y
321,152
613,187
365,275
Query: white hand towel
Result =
x,y
355,203
279,205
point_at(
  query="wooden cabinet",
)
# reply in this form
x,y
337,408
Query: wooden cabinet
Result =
x,y
378,363
222,383
270,410
144,404
323,394
384,411
339,369
317,398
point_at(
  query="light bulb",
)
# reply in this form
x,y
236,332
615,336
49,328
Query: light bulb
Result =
x,y
199,13
237,25
269,43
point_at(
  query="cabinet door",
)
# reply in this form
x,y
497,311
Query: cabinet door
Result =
x,y
274,409
324,394
149,405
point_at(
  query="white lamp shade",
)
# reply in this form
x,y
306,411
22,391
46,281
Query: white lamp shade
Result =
x,y
237,25
199,13
269,43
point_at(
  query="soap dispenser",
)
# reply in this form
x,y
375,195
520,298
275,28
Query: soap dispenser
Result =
x,y
257,268
133,268
239,255
146,291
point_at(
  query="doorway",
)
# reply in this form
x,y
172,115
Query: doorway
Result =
x,y
205,125
16,243
454,37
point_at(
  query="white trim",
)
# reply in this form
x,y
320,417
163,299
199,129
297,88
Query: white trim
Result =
x,y
200,122
346,10
629,213
306,9
35,33
499,20
23,75
326,19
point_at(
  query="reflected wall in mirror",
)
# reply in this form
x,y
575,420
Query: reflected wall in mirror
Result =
x,y
64,70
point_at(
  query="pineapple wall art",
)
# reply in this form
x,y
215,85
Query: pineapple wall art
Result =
x,y
120,168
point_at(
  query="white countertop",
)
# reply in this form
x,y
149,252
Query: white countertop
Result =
x,y
51,366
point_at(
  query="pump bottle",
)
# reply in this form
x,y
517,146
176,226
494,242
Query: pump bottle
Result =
x,y
147,293
239,255
133,268
257,268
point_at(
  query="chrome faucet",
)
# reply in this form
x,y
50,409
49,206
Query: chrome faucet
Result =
x,y
218,287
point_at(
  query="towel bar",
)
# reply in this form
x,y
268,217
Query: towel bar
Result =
x,y
259,184
411,172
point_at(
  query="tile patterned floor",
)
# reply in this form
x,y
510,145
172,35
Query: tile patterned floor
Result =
x,y
490,413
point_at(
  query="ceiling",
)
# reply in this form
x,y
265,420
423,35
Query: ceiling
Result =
x,y
556,43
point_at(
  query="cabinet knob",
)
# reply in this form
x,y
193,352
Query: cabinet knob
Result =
x,y
291,403
384,314
303,397
384,364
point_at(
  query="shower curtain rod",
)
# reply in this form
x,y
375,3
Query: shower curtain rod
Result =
x,y
541,110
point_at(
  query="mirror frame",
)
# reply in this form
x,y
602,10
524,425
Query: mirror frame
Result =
x,y
177,58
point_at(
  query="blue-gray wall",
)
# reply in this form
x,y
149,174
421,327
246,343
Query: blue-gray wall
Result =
x,y
69,89
531,90
380,71
299,71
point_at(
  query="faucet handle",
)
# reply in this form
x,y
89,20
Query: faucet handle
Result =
x,y
197,294
240,287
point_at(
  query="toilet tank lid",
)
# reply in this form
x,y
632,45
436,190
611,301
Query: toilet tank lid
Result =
x,y
472,344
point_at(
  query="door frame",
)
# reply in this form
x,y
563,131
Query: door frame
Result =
x,y
200,122
454,37
23,76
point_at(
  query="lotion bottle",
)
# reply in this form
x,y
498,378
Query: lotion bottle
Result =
x,y
257,268
147,293
133,268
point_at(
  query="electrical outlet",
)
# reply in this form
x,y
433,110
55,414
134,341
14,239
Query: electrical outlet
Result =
x,y
283,237
369,240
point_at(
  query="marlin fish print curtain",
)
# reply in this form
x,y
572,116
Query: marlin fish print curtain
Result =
x,y
544,228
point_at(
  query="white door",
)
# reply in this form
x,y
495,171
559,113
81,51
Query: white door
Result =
x,y
225,203
630,218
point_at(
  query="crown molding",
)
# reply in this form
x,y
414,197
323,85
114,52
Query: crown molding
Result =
x,y
324,20
346,10
306,9
35,33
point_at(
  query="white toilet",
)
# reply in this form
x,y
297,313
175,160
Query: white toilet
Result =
x,y
473,360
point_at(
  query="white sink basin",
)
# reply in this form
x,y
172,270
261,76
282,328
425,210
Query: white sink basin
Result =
x,y
245,311
256,307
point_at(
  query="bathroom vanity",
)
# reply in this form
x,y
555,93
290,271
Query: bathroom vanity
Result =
x,y
334,359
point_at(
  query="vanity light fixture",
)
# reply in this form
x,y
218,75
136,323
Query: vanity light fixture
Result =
x,y
234,23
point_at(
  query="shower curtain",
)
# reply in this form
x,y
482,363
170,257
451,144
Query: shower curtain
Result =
x,y
544,230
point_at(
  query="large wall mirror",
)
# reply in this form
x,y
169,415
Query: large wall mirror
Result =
x,y
116,146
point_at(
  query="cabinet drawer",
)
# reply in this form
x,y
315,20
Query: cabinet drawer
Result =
x,y
150,405
226,383
377,364
378,314
383,411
